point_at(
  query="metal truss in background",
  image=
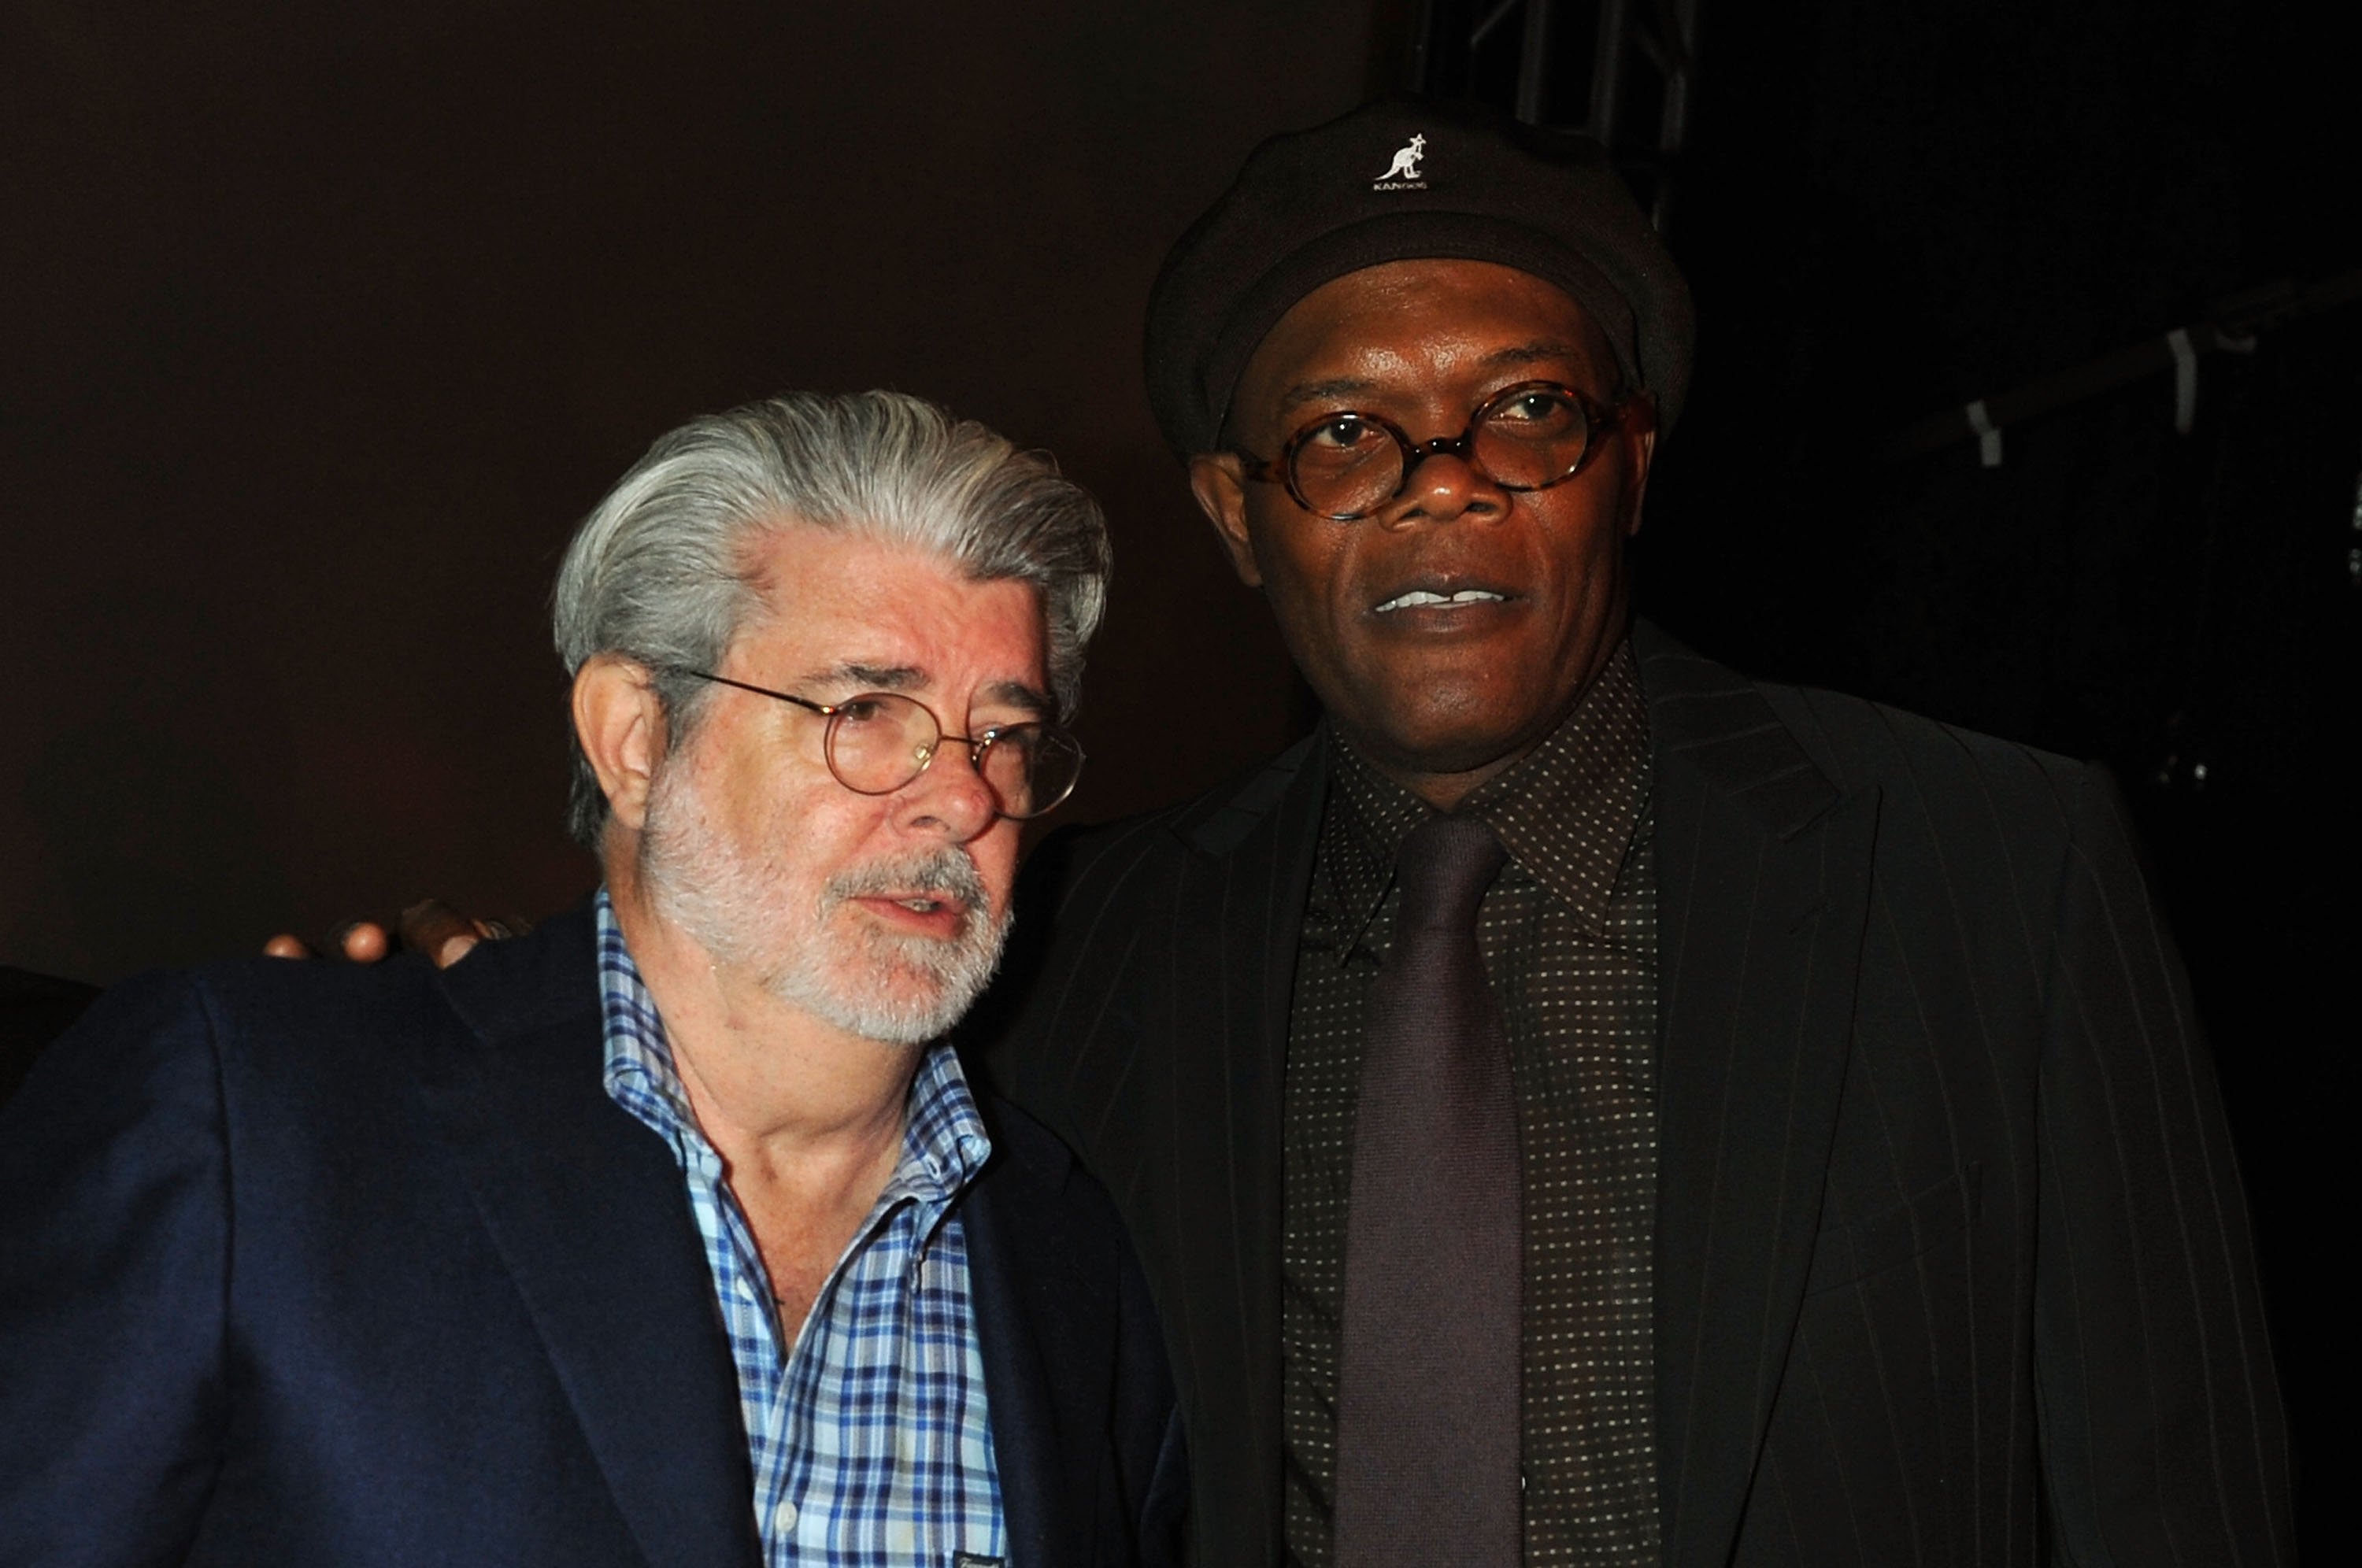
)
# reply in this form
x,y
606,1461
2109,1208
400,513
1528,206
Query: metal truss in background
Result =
x,y
1622,71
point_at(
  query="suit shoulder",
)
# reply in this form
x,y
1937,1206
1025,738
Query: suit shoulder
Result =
x,y
269,1022
152,1013
1961,814
273,995
1049,1168
1020,1139
144,1050
1079,861
1967,816
1089,848
1854,741
1858,742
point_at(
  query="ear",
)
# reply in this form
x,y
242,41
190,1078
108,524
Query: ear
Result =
x,y
1639,435
1221,487
620,721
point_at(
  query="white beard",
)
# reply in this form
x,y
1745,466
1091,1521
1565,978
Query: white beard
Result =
x,y
814,953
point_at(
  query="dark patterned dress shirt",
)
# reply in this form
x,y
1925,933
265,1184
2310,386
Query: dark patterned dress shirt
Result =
x,y
1569,936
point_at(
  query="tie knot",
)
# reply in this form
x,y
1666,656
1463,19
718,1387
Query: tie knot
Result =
x,y
1443,868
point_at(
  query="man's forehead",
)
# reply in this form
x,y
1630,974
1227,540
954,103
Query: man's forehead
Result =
x,y
1391,326
1543,356
848,610
858,570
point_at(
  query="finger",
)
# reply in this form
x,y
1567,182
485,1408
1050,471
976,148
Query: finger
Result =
x,y
429,925
286,944
364,942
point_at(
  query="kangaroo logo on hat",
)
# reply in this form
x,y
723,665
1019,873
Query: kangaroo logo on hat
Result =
x,y
1402,174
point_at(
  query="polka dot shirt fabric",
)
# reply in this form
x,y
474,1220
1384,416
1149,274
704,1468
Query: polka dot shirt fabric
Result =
x,y
1568,933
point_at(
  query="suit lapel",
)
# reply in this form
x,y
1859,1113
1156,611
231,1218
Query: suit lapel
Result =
x,y
590,1212
1036,1310
1763,871
1237,915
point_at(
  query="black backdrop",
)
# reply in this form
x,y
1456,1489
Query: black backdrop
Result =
x,y
319,326
324,325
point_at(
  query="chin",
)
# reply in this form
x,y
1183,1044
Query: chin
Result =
x,y
890,1010
1457,745
899,990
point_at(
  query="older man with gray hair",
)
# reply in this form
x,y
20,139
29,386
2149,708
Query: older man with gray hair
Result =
x,y
669,1234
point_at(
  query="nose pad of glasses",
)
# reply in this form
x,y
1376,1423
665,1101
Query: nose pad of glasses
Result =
x,y
1416,492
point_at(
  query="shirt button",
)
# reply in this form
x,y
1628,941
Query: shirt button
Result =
x,y
784,1518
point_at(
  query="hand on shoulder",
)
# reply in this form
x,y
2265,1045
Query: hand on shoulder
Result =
x,y
429,926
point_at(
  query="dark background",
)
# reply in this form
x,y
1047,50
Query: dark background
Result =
x,y
319,327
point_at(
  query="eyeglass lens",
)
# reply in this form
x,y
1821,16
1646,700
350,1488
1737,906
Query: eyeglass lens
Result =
x,y
1528,438
878,743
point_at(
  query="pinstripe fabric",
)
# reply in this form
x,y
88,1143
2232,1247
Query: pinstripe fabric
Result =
x,y
870,1436
1951,1256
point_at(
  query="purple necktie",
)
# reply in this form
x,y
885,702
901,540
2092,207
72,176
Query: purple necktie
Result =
x,y
1427,1418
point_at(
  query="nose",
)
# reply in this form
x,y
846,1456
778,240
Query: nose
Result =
x,y
949,800
1444,486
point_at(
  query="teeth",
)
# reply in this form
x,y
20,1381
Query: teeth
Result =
x,y
923,906
1419,596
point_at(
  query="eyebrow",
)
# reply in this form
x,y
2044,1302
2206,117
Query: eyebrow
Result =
x,y
1533,353
868,677
1331,390
1340,388
909,678
1018,695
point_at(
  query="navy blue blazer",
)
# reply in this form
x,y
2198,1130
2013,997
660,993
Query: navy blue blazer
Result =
x,y
310,1264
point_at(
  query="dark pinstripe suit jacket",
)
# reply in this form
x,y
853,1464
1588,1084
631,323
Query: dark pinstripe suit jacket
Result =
x,y
1952,1259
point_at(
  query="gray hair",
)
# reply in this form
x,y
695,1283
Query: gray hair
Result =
x,y
659,572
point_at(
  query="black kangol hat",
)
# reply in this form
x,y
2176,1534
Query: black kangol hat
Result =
x,y
1398,180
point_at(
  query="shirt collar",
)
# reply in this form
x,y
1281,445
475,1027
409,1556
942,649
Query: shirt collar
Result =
x,y
1567,813
945,1145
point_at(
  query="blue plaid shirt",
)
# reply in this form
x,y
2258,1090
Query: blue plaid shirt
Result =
x,y
870,1436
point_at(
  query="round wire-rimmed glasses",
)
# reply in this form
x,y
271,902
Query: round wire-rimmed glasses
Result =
x,y
1351,464
878,742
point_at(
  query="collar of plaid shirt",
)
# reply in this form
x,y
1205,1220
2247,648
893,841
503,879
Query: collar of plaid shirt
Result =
x,y
870,1437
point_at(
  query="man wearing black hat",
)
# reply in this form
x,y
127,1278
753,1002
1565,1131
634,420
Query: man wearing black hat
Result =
x,y
1582,1106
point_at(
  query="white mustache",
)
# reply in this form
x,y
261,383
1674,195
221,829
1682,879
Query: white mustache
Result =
x,y
947,873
